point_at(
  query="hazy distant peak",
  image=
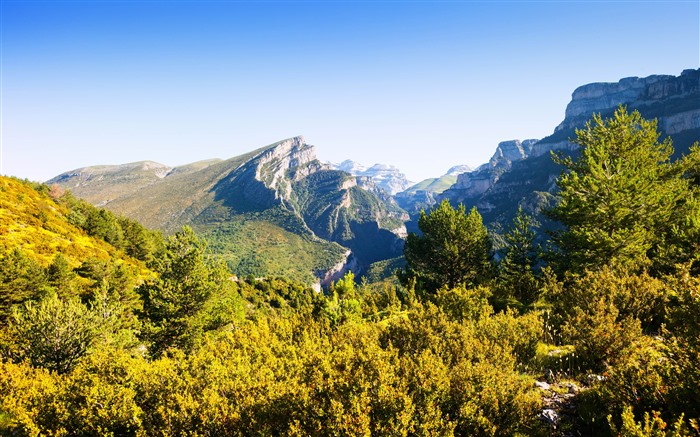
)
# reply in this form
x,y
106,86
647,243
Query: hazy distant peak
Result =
x,y
387,177
350,166
458,169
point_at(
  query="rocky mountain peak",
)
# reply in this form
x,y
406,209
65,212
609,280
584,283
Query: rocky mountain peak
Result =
x,y
508,152
350,166
386,177
458,170
284,162
523,174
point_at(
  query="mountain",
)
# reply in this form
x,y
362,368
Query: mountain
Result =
x,y
523,173
274,211
386,177
422,195
480,180
458,170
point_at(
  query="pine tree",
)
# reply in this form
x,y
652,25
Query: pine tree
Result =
x,y
454,249
53,333
618,196
517,270
185,283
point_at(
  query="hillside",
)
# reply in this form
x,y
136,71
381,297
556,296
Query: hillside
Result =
x,y
37,221
276,210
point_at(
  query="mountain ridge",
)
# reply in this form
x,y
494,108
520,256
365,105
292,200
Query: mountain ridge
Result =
x,y
281,187
530,182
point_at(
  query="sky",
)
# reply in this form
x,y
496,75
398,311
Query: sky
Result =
x,y
421,85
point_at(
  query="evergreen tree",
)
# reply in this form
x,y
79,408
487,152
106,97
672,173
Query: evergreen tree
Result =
x,y
517,270
185,283
618,196
454,249
21,279
53,333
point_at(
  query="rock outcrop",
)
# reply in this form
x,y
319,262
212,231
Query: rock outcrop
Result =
x,y
479,181
508,152
523,174
386,177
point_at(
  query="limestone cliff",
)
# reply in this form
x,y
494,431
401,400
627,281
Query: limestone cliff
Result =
x,y
522,173
479,181
386,177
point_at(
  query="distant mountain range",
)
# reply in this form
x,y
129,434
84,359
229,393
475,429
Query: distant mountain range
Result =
x,y
279,211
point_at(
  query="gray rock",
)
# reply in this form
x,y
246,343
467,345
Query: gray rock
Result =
x,y
542,385
386,177
458,170
550,417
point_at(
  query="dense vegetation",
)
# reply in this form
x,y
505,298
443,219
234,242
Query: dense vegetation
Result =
x,y
156,337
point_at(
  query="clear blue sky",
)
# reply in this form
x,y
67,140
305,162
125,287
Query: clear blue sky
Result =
x,y
422,85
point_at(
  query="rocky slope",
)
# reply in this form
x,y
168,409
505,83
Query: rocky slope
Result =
x,y
276,197
523,174
386,177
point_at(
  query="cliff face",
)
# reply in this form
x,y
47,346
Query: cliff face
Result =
x,y
673,100
386,177
481,180
596,97
523,174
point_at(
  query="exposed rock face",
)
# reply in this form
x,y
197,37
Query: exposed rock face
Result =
x,y
386,177
596,97
479,181
350,166
638,93
523,174
509,151
348,263
291,159
283,184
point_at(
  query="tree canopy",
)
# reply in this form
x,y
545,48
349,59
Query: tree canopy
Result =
x,y
453,249
621,197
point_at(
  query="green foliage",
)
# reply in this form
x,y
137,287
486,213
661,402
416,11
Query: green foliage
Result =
x,y
274,244
21,278
185,283
620,197
125,234
270,356
652,426
516,273
52,333
454,249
